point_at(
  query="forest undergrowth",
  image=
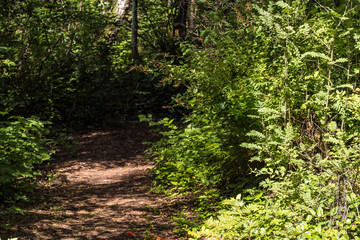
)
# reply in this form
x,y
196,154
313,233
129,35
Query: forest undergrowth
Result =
x,y
258,100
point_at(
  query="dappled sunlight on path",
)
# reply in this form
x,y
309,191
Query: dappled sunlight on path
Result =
x,y
102,191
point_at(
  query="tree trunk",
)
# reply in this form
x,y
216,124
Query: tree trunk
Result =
x,y
134,36
180,19
121,6
192,16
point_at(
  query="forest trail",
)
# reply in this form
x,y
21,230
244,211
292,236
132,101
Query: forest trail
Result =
x,y
102,191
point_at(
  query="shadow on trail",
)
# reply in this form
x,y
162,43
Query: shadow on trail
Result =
x,y
101,193
109,148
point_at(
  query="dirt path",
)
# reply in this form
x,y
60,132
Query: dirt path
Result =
x,y
102,192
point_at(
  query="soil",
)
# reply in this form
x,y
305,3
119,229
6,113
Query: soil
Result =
x,y
102,192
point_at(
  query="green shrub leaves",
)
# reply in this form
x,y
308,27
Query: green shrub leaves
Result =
x,y
275,104
23,145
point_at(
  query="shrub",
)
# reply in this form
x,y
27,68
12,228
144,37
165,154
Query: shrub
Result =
x,y
278,94
23,145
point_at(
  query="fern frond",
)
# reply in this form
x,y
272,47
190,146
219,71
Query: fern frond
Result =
x,y
254,133
251,146
315,55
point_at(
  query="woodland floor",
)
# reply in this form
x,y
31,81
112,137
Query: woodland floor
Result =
x,y
102,191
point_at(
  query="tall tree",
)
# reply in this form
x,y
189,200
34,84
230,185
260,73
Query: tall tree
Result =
x,y
134,29
180,28
192,16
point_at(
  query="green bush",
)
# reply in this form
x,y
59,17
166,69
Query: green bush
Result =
x,y
257,217
276,97
23,146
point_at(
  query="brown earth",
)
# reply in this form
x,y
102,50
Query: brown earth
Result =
x,y
102,192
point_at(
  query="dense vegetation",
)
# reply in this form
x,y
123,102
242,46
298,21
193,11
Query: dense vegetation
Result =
x,y
274,122
268,90
65,65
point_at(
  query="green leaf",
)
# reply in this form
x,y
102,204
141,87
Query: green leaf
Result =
x,y
319,212
316,54
332,126
143,118
258,196
9,63
341,60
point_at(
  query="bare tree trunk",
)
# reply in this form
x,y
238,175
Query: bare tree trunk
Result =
x,y
192,16
121,6
134,36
